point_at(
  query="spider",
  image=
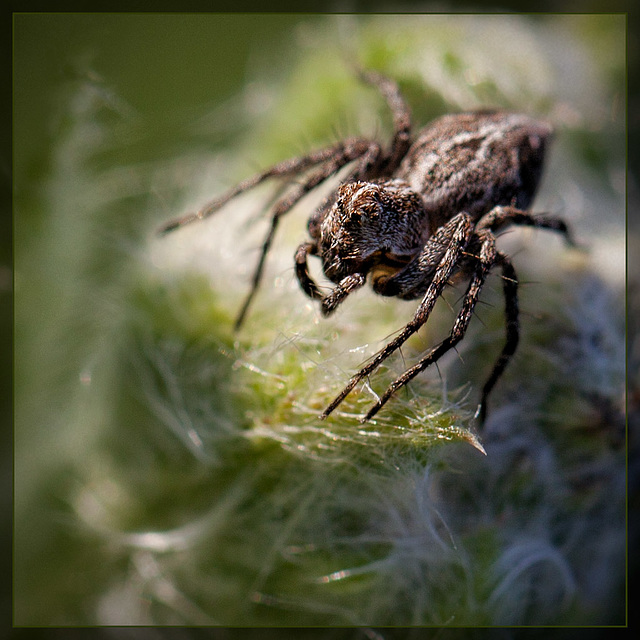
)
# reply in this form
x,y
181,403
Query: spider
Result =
x,y
413,218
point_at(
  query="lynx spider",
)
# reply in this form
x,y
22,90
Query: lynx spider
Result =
x,y
414,217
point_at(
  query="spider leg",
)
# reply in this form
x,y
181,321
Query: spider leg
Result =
x,y
340,291
401,116
494,220
458,232
365,152
302,269
413,280
510,289
349,149
346,286
486,259
499,217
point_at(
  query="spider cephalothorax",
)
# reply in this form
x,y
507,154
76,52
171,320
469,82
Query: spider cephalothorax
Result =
x,y
371,224
413,218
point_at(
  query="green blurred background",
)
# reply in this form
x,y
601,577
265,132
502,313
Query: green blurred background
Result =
x,y
116,119
147,79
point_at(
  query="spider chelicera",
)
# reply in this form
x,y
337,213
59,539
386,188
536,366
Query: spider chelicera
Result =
x,y
413,218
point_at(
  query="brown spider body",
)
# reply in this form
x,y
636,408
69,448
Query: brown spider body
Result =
x,y
471,162
413,219
474,162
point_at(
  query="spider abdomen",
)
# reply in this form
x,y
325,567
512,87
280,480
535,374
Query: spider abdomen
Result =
x,y
474,162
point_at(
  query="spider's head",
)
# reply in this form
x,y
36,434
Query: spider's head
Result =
x,y
369,224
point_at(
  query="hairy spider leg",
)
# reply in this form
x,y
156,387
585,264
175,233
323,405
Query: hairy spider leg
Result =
x,y
292,166
367,152
302,269
486,260
494,220
500,217
454,236
510,290
329,302
401,117
399,147
346,286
